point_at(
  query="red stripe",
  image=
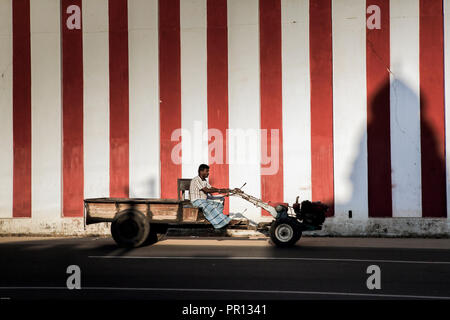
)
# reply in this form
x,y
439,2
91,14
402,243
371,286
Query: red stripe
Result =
x,y
21,109
271,97
432,114
378,114
72,104
169,92
217,64
321,69
118,93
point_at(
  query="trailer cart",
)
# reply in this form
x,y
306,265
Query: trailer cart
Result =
x,y
140,221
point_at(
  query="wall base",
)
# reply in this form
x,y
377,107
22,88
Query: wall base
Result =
x,y
336,227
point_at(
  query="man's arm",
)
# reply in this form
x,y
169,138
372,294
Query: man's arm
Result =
x,y
215,190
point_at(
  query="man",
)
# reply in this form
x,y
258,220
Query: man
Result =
x,y
198,194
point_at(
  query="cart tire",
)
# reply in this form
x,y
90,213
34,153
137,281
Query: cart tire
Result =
x,y
285,232
130,228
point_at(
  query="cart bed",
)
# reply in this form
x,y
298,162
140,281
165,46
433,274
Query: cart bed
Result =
x,y
157,210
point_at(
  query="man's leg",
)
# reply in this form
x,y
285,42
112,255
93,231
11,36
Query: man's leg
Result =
x,y
213,211
220,207
219,199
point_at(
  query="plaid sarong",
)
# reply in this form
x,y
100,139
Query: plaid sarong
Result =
x,y
213,212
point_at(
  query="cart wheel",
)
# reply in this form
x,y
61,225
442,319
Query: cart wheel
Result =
x,y
130,228
285,232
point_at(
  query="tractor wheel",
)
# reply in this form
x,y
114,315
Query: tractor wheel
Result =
x,y
285,232
130,228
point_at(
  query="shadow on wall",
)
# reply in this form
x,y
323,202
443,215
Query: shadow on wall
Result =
x,y
385,115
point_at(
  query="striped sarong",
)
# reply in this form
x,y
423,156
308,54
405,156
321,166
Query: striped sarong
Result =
x,y
213,212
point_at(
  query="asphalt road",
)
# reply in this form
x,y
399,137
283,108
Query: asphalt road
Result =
x,y
317,268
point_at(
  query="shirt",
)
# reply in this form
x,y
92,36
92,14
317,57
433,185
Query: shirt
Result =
x,y
195,191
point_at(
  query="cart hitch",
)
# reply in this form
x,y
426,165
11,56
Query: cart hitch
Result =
x,y
278,212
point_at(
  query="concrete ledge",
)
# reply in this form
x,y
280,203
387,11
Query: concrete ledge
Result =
x,y
335,227
62,226
386,227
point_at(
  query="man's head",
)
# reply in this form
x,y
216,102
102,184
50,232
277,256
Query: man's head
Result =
x,y
203,171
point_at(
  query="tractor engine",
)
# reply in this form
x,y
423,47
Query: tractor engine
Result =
x,y
311,213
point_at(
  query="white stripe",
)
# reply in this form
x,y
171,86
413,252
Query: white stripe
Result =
x,y
447,95
405,109
244,103
144,98
355,294
194,111
96,98
349,107
272,258
6,110
46,109
296,100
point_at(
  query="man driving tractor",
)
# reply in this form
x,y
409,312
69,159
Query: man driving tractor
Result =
x,y
200,195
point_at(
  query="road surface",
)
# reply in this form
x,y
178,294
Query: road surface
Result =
x,y
179,268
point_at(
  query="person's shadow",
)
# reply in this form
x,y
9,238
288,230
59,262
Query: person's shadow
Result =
x,y
396,139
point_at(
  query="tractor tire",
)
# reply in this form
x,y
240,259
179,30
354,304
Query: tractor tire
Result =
x,y
285,232
130,228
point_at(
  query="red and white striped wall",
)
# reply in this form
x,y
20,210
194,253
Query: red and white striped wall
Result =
x,y
355,90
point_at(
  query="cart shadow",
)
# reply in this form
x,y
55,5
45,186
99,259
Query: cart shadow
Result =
x,y
66,247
